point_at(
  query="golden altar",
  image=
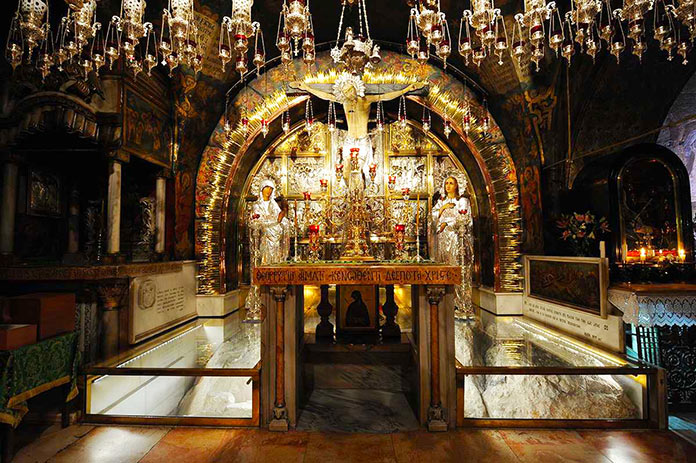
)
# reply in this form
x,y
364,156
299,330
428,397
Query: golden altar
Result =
x,y
433,305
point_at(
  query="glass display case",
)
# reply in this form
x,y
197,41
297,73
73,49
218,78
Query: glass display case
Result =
x,y
206,372
515,369
643,192
648,213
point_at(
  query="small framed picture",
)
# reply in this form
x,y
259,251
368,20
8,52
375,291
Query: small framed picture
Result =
x,y
44,194
357,309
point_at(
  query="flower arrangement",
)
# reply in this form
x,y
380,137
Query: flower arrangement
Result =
x,y
581,230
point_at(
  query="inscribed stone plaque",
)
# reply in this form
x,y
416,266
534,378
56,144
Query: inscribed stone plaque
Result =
x,y
158,302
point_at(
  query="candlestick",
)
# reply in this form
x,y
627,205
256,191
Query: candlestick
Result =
x,y
296,257
418,256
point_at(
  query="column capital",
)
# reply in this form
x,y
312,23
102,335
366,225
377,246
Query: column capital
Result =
x,y
112,292
118,156
279,293
435,294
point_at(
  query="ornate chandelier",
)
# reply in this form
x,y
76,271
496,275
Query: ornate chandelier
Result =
x,y
582,18
179,43
357,51
295,32
489,27
124,35
235,32
529,33
427,20
29,27
633,12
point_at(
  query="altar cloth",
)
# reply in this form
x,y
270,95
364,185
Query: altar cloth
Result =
x,y
655,305
30,370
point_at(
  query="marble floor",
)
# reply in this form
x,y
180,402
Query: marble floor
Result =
x,y
130,444
357,410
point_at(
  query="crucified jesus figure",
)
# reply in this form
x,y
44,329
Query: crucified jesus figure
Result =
x,y
357,98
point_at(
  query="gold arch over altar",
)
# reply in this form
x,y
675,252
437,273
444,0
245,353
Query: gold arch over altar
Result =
x,y
489,150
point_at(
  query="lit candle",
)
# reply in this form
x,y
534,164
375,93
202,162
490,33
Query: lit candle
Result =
x,y
307,195
642,255
373,168
682,255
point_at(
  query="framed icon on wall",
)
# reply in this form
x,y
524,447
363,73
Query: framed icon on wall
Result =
x,y
358,309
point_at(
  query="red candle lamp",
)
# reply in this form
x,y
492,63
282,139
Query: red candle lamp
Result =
x,y
392,182
307,195
324,184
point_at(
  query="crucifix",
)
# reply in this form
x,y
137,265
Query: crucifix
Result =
x,y
357,98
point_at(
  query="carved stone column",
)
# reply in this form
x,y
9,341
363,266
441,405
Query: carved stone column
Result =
x,y
160,205
436,419
113,214
9,207
279,421
111,294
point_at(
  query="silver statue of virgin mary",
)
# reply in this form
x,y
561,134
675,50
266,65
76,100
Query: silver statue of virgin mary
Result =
x,y
451,239
269,240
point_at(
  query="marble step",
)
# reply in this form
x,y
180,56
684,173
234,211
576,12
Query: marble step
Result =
x,y
396,378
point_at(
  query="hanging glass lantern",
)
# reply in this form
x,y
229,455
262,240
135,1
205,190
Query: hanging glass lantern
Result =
x,y
331,118
466,116
448,128
380,116
489,26
309,116
402,112
32,16
583,17
412,36
426,120
179,39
